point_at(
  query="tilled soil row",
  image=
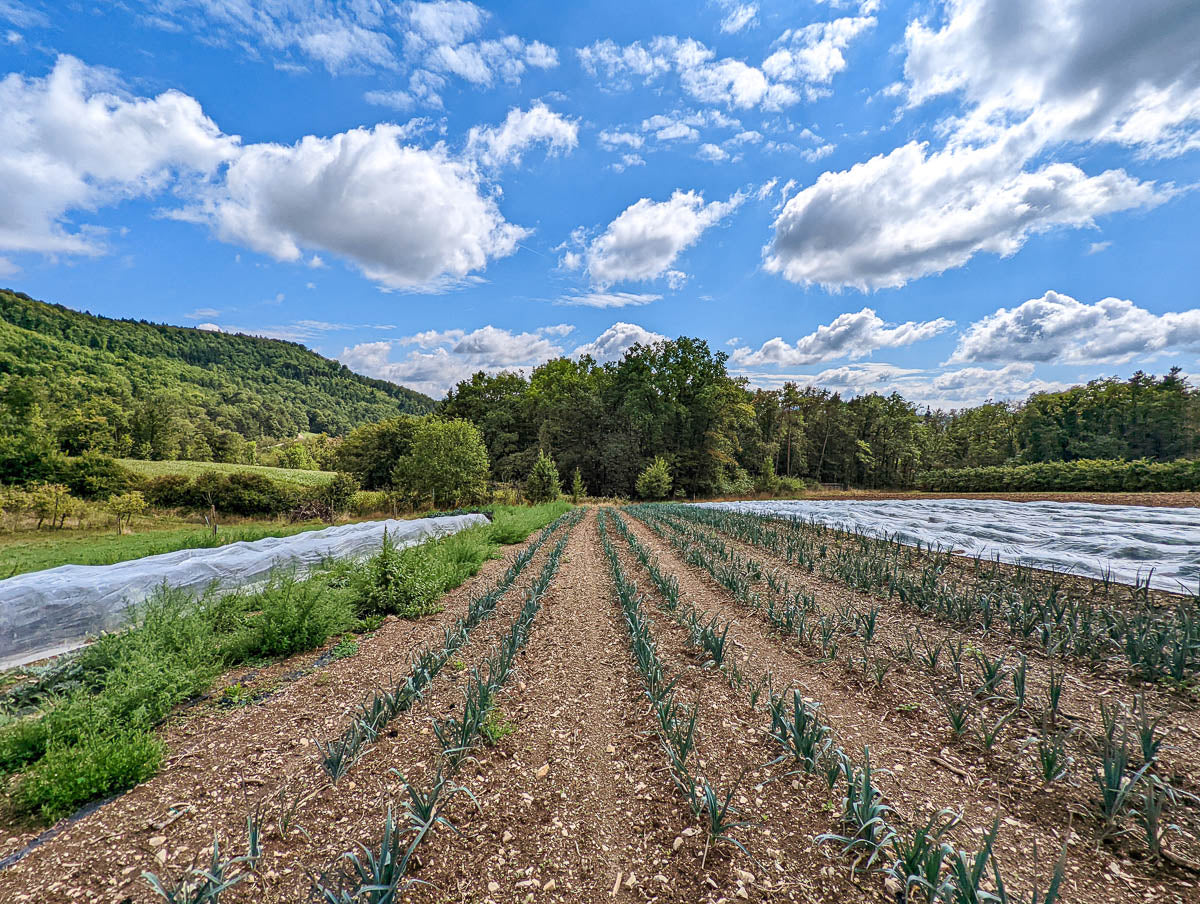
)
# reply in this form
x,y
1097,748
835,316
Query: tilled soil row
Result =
x,y
904,737
787,812
572,803
1083,688
228,762
345,817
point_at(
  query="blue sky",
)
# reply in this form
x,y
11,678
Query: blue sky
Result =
x,y
955,200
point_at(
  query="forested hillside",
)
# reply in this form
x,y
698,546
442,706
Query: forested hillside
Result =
x,y
128,387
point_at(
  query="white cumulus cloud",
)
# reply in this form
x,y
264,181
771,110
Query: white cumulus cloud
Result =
x,y
1056,328
646,238
521,129
75,141
616,340
1105,70
849,335
409,218
802,67
1031,78
813,54
910,213
435,360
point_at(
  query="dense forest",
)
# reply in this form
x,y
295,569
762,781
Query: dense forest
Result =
x,y
136,389
718,436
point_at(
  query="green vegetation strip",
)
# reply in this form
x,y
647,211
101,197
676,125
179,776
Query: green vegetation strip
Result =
x,y
22,556
84,727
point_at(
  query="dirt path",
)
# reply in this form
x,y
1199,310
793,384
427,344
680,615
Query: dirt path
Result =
x,y
905,737
571,803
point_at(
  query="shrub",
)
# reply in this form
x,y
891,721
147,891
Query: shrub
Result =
x,y
296,456
95,476
543,485
578,490
791,486
295,616
107,761
370,502
767,482
52,501
448,463
15,502
248,493
170,491
125,507
21,742
399,582
240,493
655,481
338,494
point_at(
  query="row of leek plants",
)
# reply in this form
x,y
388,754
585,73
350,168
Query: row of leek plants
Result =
x,y
1029,605
675,722
372,716
380,875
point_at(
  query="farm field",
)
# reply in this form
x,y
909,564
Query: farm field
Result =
x,y
194,468
672,703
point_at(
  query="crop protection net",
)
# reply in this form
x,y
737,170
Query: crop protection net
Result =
x,y
48,612
1130,543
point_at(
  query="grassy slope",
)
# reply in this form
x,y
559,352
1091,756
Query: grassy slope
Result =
x,y
194,468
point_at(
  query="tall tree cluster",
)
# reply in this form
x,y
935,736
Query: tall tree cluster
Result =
x,y
676,401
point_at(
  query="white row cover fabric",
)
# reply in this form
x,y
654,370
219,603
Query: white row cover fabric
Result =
x,y
48,612
1128,541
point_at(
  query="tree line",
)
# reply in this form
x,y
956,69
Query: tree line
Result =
x,y
675,406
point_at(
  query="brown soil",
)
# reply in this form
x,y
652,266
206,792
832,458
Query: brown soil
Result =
x,y
223,762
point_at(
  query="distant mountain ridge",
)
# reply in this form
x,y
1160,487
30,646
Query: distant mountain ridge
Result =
x,y
85,366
